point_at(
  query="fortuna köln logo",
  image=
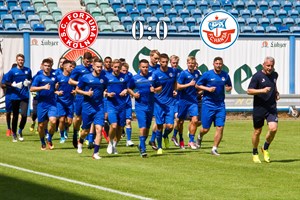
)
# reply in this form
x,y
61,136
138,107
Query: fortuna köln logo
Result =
x,y
219,29
78,30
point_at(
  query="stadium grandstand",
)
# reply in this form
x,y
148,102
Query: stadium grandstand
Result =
x,y
181,16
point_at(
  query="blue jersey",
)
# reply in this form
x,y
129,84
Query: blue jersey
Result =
x,y
142,85
117,84
167,80
211,79
153,68
47,96
53,72
59,71
128,100
63,85
78,72
107,71
19,75
8,88
98,84
189,94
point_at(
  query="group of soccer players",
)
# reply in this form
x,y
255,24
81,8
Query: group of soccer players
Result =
x,y
99,92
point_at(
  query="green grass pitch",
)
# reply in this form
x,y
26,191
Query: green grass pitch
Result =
x,y
177,174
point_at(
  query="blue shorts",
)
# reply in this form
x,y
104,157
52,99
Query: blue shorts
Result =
x,y
78,105
105,104
65,110
184,109
8,105
164,114
144,117
176,106
216,115
116,116
129,112
92,115
45,111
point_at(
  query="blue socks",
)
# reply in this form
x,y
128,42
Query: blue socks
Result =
x,y
175,132
43,141
50,138
159,139
128,133
143,143
62,134
153,136
192,138
90,137
20,132
266,145
166,133
96,148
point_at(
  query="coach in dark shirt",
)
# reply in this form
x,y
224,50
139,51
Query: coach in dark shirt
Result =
x,y
263,87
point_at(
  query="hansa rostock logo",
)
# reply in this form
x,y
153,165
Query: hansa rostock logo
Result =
x,y
78,30
219,30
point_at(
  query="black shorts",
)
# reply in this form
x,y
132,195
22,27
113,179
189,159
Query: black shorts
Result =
x,y
261,113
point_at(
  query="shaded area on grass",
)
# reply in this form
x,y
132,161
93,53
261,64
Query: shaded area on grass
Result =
x,y
12,188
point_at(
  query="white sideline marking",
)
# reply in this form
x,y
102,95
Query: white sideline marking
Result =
x,y
76,182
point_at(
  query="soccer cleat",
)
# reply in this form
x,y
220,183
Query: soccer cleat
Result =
x,y
174,139
129,143
159,151
43,147
50,145
62,140
21,138
109,149
79,147
142,153
256,159
182,144
96,156
199,142
8,132
266,155
214,152
192,145
153,145
66,134
166,143
115,151
15,139
31,129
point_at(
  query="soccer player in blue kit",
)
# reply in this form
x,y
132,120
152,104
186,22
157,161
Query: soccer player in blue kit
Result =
x,y
8,105
214,83
44,85
92,87
124,70
188,102
142,87
116,104
19,78
77,73
164,101
65,99
263,87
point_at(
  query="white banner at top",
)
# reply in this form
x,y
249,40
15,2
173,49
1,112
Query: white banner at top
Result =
x,y
243,58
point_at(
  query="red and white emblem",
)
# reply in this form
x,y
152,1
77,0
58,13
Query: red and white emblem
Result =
x,y
219,30
78,30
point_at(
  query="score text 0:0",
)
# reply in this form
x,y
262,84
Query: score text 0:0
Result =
x,y
157,30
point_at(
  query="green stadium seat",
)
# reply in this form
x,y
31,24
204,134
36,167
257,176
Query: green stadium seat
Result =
x,y
95,12
42,11
47,19
101,20
113,20
51,27
118,28
105,28
24,27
